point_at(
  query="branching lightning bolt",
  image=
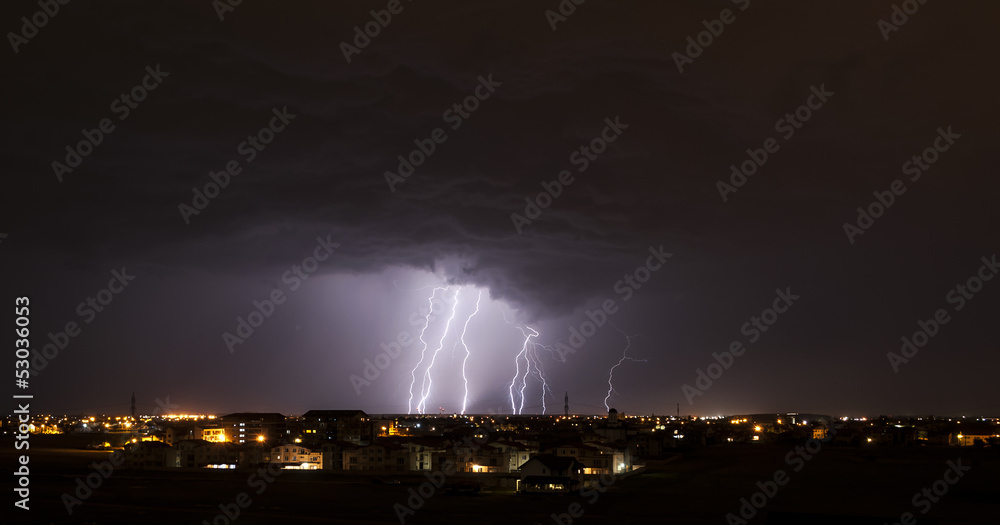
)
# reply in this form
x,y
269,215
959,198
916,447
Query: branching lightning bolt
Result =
x,y
611,373
465,399
539,372
427,381
423,349
529,351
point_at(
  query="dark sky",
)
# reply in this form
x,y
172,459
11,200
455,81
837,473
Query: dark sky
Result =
x,y
449,223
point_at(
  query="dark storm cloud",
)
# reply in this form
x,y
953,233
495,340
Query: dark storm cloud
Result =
x,y
325,172
655,185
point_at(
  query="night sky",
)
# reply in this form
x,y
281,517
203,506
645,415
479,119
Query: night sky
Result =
x,y
319,187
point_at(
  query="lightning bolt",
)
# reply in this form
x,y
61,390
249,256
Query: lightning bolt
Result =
x,y
517,372
539,372
529,353
427,374
527,363
611,373
465,399
423,350
517,367
529,350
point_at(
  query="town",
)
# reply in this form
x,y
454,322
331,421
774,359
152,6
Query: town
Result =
x,y
491,453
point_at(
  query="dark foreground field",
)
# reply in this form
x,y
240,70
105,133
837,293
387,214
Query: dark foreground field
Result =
x,y
837,485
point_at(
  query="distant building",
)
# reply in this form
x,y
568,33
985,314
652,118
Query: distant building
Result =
x,y
613,428
176,433
353,426
246,427
970,433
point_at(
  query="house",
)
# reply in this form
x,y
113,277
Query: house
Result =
x,y
175,433
146,454
293,456
548,473
382,457
596,458
463,456
211,434
333,454
220,455
646,445
198,453
602,458
481,459
422,452
511,455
